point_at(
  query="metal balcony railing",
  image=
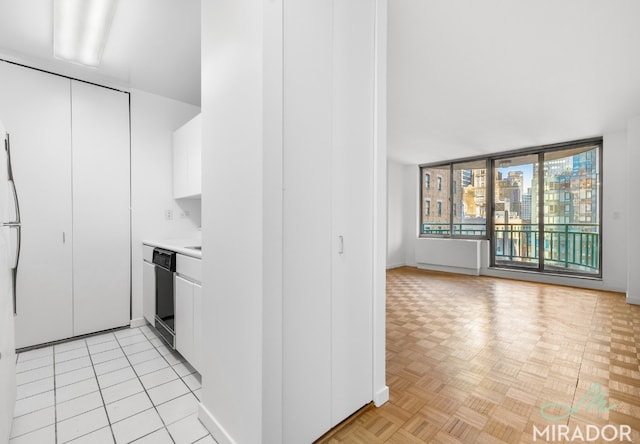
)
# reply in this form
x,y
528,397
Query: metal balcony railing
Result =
x,y
566,246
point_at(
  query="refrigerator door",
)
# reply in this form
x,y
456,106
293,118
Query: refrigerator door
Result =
x,y
7,332
4,178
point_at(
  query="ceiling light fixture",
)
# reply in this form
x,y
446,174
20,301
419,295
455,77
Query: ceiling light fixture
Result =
x,y
81,28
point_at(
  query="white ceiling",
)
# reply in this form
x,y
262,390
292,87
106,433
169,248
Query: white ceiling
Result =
x,y
468,77
154,45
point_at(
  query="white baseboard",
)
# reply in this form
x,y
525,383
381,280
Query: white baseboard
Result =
x,y
137,322
390,266
448,269
217,431
381,396
632,300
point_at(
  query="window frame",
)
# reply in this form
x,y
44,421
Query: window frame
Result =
x,y
490,160
450,197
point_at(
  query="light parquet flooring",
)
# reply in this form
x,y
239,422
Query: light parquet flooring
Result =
x,y
474,359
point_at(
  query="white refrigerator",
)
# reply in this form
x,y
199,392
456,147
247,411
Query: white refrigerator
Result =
x,y
9,252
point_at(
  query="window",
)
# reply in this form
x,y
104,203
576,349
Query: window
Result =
x,y
461,202
438,221
559,232
542,205
469,203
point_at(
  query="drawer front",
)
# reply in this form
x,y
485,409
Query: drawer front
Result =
x,y
189,267
147,253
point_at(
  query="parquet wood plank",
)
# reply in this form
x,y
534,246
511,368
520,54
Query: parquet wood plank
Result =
x,y
474,359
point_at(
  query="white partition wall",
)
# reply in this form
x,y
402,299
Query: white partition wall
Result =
x,y
633,240
293,216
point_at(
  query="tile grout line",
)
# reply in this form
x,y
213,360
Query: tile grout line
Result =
x,y
35,411
55,401
170,365
145,391
104,405
86,346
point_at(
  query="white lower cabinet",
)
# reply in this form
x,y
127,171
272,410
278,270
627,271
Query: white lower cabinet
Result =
x,y
197,327
188,320
149,292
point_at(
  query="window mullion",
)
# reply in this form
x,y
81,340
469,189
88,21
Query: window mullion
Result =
x,y
451,200
540,211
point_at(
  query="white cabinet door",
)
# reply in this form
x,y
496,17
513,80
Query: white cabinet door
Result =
x,y
197,327
352,198
180,168
307,210
184,317
35,109
328,159
101,201
187,159
149,292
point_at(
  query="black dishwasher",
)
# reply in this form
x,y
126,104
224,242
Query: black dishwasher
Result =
x,y
165,267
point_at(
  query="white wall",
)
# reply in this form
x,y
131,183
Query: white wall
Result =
x,y
411,199
615,214
633,211
233,202
395,214
153,120
243,225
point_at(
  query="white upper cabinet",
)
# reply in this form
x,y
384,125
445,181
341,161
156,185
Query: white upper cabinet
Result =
x,y
187,160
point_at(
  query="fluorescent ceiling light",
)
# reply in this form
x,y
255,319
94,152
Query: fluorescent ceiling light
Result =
x,y
81,28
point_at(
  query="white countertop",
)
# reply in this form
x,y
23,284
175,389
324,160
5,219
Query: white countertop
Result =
x,y
178,245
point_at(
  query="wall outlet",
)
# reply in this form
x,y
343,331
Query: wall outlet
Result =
x,y
168,214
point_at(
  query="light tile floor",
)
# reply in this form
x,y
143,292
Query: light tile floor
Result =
x,y
118,387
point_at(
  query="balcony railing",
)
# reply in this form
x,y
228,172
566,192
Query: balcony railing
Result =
x,y
566,246
463,229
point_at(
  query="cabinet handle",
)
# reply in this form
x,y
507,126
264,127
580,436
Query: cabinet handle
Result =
x,y
340,244
64,238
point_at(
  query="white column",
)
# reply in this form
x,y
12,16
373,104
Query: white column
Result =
x,y
633,212
233,206
380,388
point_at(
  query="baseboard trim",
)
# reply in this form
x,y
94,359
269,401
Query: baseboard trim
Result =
x,y
448,269
137,322
217,431
633,301
390,266
381,396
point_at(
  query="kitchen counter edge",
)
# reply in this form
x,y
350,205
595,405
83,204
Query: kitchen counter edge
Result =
x,y
177,245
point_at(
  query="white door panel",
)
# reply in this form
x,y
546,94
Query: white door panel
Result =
x,y
307,221
352,199
35,109
101,196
